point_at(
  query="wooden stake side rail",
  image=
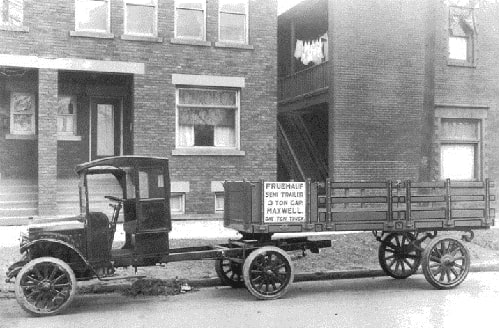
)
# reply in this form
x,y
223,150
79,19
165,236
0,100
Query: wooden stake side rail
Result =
x,y
367,206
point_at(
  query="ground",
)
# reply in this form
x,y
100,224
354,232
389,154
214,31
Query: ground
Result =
x,y
353,251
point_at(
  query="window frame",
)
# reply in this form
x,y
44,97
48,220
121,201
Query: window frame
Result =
x,y
470,40
137,3
8,13
218,209
204,9
73,100
12,129
246,40
475,142
108,19
236,108
182,196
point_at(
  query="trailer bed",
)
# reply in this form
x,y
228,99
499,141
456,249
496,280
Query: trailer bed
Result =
x,y
393,206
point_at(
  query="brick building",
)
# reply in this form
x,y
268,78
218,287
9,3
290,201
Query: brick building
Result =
x,y
386,89
194,81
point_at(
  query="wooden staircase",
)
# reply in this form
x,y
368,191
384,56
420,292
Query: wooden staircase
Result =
x,y
297,150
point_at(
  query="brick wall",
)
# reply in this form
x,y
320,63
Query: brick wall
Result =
x,y
154,94
473,86
376,88
47,142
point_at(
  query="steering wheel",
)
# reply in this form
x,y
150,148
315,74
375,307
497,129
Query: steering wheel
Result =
x,y
116,211
113,198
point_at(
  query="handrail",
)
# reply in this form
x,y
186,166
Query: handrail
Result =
x,y
303,82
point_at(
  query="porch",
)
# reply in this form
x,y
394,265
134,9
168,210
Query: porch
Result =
x,y
51,120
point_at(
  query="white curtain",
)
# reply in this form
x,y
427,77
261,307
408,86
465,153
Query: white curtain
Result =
x,y
224,136
186,135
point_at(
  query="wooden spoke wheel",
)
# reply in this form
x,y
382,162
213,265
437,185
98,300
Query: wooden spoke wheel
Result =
x,y
45,286
397,255
446,262
230,273
268,273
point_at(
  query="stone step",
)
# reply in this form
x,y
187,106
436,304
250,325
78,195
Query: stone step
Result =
x,y
12,204
18,212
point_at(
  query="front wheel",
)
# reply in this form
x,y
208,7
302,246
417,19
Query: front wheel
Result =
x,y
446,263
45,286
268,273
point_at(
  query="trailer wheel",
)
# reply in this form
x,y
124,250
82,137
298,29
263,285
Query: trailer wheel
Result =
x,y
446,263
230,273
45,286
268,273
397,255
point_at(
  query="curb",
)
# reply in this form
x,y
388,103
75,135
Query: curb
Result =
x,y
316,276
104,288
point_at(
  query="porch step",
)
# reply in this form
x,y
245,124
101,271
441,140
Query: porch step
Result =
x,y
18,212
16,204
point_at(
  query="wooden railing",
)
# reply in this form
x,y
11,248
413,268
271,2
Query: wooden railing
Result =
x,y
304,82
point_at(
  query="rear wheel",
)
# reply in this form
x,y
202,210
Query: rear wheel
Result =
x,y
398,256
446,263
45,286
268,273
230,273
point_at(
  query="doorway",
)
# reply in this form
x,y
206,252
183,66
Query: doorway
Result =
x,y
105,127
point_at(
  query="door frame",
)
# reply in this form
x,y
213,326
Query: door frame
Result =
x,y
120,109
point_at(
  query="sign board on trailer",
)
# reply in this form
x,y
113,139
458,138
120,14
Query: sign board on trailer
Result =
x,y
284,202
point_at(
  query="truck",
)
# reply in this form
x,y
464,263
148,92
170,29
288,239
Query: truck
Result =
x,y
273,219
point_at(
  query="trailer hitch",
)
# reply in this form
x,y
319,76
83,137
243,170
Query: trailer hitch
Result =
x,y
468,238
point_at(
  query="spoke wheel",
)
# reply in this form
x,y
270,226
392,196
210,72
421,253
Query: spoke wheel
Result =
x,y
230,273
45,286
397,255
268,273
446,263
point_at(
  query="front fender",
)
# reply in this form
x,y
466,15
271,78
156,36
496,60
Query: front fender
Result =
x,y
25,247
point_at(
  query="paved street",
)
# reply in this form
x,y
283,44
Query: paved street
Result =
x,y
375,302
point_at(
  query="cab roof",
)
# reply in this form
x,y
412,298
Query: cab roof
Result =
x,y
123,161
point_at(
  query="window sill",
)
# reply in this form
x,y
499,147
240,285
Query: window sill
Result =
x,y
191,42
21,136
69,138
144,38
14,28
208,151
234,45
89,34
460,63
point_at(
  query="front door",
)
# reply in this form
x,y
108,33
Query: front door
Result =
x,y
105,127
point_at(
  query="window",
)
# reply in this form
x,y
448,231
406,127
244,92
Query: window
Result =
x,y
11,12
141,17
190,19
22,113
177,203
462,33
460,145
66,115
207,117
233,21
92,15
219,202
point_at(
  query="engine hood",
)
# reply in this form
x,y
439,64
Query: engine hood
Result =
x,y
57,226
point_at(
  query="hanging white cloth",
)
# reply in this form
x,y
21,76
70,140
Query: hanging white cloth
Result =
x,y
299,48
310,51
